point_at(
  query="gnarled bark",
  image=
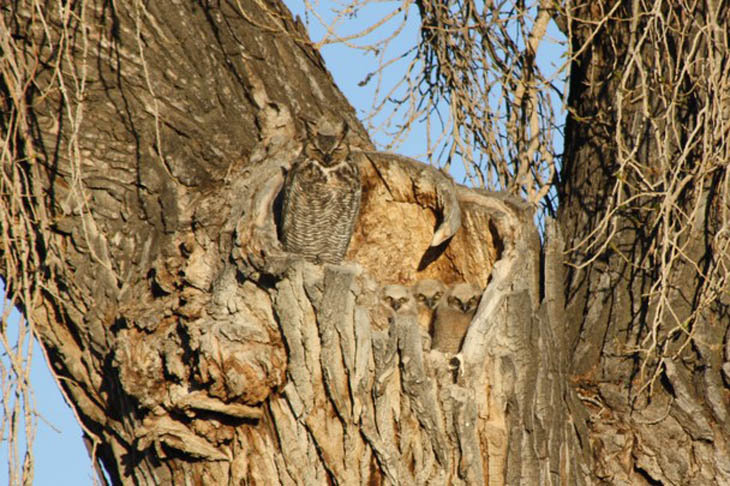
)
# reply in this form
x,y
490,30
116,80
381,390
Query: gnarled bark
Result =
x,y
191,346
145,148
654,388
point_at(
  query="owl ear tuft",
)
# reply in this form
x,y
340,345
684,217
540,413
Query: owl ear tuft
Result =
x,y
310,126
344,131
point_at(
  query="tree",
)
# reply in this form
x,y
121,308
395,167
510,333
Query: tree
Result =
x,y
144,147
644,199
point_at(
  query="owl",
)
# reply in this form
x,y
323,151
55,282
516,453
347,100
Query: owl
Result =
x,y
405,315
399,298
322,194
428,294
453,316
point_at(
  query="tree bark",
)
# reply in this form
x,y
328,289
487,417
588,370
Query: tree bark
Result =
x,y
145,148
654,388
132,130
152,143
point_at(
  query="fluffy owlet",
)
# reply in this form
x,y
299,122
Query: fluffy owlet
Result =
x,y
428,294
321,196
405,314
399,298
453,316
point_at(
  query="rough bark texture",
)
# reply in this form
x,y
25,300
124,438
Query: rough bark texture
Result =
x,y
674,432
151,154
194,350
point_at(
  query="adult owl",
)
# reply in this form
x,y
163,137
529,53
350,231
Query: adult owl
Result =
x,y
321,196
453,316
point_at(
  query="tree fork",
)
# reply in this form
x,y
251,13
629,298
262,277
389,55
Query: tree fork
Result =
x,y
194,350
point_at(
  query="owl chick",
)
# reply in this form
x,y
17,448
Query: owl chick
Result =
x,y
399,298
428,294
453,316
321,196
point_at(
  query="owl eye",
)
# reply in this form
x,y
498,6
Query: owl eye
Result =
x,y
453,301
402,300
472,302
390,301
438,295
421,298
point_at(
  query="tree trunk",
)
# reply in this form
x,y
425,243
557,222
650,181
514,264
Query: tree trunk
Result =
x,y
145,151
149,144
644,194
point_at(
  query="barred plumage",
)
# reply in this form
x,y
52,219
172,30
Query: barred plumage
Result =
x,y
321,196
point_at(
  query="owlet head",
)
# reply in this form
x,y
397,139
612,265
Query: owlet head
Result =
x,y
464,297
429,292
397,297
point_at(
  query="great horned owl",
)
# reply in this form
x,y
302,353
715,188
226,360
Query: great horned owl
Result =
x,y
405,315
428,294
399,298
321,196
453,316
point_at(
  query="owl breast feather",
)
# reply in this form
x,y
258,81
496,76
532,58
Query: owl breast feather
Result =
x,y
320,209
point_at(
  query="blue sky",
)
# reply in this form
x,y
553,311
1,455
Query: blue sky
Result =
x,y
61,457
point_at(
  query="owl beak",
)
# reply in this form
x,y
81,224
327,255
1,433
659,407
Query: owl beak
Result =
x,y
396,305
464,307
327,142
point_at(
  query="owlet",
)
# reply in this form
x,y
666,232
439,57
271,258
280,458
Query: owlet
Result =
x,y
428,294
399,298
453,316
